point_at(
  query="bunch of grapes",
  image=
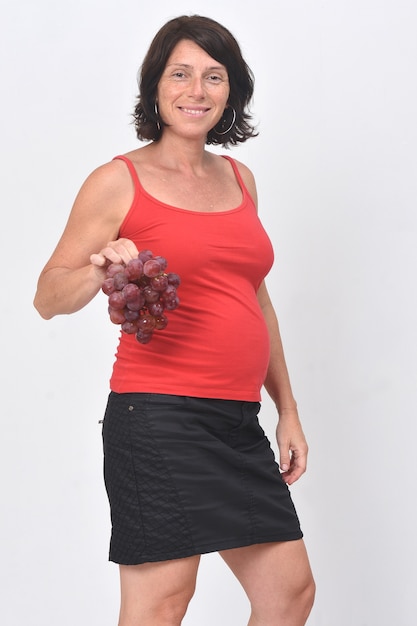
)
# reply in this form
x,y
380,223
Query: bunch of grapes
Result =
x,y
140,293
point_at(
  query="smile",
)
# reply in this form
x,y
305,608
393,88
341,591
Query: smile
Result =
x,y
195,112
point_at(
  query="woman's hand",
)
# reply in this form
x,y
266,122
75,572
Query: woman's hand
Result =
x,y
119,251
292,445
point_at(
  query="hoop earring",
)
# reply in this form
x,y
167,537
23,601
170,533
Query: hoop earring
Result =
x,y
158,125
224,132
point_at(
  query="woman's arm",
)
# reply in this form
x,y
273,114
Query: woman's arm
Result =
x,y
292,444
74,273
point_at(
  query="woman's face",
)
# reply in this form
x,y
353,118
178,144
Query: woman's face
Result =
x,y
193,91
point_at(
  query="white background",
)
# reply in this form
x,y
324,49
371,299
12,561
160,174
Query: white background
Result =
x,y
335,161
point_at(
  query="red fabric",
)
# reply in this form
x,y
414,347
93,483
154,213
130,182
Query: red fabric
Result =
x,y
216,343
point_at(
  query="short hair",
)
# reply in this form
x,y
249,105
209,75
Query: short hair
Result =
x,y
220,44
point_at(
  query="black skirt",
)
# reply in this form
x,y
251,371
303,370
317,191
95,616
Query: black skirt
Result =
x,y
188,476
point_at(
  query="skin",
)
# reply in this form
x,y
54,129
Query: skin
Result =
x,y
192,96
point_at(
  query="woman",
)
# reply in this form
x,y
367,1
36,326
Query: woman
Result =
x,y
188,469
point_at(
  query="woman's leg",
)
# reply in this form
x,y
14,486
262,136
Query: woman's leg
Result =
x,y
277,580
157,594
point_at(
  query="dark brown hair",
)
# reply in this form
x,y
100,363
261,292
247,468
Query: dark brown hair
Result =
x,y
220,44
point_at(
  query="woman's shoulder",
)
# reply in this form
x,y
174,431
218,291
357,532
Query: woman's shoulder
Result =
x,y
247,177
107,186
109,175
113,177
243,169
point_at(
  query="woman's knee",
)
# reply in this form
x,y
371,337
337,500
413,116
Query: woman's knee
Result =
x,y
305,594
294,600
288,604
172,610
277,579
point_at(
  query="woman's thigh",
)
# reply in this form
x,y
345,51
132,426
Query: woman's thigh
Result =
x,y
153,593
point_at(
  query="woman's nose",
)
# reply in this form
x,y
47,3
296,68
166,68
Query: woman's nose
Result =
x,y
197,87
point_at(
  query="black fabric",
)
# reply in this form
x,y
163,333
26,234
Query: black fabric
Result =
x,y
189,475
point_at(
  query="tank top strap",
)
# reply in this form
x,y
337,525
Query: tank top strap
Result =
x,y
237,174
132,171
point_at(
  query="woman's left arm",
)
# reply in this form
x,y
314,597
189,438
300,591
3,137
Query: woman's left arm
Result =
x,y
292,445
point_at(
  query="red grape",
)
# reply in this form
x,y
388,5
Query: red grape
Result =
x,y
143,337
173,279
108,286
162,262
120,280
134,269
117,300
130,328
150,294
161,322
131,292
156,308
171,305
160,282
113,269
137,304
131,316
151,268
145,255
116,316
146,323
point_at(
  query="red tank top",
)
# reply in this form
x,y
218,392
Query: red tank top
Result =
x,y
216,344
